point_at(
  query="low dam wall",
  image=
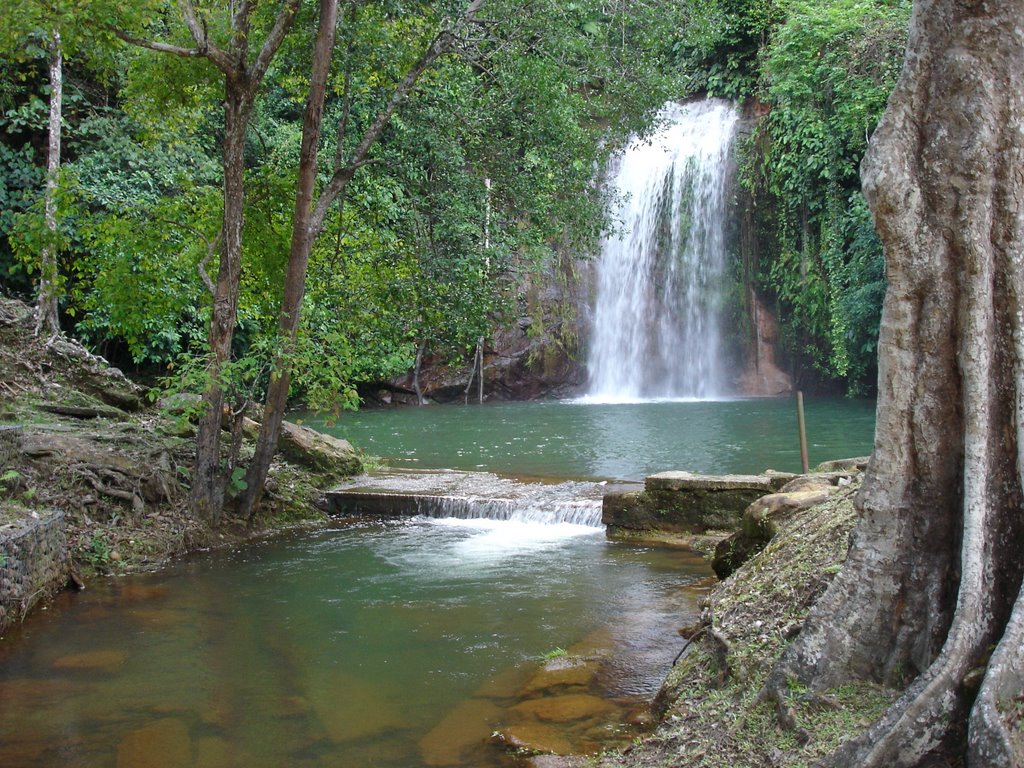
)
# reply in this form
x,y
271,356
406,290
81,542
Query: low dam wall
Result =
x,y
683,502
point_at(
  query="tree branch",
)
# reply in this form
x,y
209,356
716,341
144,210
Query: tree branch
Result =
x,y
282,25
202,37
157,46
441,44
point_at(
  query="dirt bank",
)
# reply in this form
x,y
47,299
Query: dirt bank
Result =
x,y
81,438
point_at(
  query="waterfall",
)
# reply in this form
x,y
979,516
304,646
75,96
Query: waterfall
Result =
x,y
655,330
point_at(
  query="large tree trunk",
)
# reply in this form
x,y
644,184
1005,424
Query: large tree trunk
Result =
x,y
298,261
46,310
209,481
934,572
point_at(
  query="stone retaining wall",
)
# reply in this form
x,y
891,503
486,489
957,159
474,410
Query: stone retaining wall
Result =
x,y
10,443
34,564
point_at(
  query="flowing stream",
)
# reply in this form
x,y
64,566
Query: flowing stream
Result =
x,y
388,645
656,314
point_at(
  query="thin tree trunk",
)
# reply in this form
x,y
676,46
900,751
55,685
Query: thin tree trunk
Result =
x,y
480,367
209,481
417,367
311,217
933,580
298,261
469,383
47,322
242,79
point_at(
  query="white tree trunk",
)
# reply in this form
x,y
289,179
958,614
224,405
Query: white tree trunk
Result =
x,y
46,311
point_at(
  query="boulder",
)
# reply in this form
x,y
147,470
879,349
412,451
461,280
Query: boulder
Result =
x,y
562,672
762,518
316,450
858,464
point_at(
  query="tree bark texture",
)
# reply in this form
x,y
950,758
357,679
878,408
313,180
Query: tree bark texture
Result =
x,y
47,322
933,580
298,262
208,480
242,80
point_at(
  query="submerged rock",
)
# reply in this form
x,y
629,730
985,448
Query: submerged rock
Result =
x,y
99,661
162,744
469,725
536,738
564,709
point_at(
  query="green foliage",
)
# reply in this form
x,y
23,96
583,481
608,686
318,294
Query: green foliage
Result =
x,y
420,253
827,73
721,42
98,551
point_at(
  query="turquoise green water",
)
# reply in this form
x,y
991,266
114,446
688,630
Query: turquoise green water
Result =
x,y
624,442
351,647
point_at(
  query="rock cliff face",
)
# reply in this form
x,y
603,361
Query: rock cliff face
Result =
x,y
542,351
761,376
536,353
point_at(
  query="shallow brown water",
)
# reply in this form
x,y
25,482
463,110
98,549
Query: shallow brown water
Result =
x,y
397,645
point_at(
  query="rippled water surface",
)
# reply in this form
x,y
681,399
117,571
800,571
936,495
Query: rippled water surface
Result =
x,y
345,647
624,441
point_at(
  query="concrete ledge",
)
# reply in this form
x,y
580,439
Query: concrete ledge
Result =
x,y
688,481
684,502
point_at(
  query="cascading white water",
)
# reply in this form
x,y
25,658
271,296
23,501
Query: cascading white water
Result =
x,y
655,323
473,496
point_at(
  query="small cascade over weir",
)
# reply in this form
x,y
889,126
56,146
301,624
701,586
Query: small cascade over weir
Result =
x,y
655,332
470,496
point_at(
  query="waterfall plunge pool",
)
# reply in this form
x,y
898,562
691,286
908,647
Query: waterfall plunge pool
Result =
x,y
392,645
610,441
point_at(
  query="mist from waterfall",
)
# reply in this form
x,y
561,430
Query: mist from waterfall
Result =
x,y
656,319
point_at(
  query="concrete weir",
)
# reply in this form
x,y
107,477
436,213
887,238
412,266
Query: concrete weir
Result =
x,y
684,502
467,495
676,502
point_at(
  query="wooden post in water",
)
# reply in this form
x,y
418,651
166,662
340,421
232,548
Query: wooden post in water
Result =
x,y
802,428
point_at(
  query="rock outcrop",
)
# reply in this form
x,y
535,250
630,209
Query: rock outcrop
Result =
x,y
764,517
317,450
762,376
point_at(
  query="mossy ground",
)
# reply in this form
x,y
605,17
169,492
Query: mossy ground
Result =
x,y
713,713
120,476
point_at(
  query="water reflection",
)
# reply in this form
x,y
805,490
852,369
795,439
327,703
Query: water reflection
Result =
x,y
612,441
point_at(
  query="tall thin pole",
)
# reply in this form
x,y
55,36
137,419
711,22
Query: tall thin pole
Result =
x,y
802,428
479,362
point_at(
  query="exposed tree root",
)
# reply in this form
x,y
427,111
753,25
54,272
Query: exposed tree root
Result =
x,y
996,728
